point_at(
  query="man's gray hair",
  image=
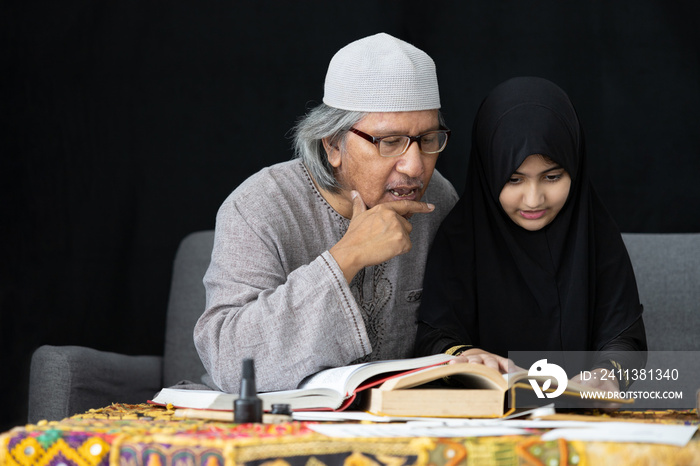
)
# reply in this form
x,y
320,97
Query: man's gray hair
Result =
x,y
320,123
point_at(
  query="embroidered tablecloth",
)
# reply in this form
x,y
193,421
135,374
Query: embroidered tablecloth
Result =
x,y
148,435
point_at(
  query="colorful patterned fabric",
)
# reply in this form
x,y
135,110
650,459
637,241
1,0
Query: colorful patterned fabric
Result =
x,y
128,435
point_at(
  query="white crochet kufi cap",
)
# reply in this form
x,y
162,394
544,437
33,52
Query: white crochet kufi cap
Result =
x,y
381,73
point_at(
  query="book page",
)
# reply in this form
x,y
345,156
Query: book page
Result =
x,y
197,399
346,379
347,430
333,378
626,432
319,398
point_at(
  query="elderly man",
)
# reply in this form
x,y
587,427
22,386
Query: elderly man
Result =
x,y
318,262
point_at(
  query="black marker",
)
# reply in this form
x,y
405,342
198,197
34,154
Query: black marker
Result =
x,y
248,407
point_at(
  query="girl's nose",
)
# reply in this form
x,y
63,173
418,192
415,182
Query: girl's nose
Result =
x,y
533,196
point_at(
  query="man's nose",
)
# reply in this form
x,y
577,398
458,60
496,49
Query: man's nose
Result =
x,y
411,163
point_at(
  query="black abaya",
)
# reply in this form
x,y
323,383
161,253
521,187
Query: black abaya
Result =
x,y
490,283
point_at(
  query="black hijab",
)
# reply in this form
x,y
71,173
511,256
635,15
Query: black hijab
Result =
x,y
492,284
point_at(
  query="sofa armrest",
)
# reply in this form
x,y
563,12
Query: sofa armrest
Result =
x,y
66,380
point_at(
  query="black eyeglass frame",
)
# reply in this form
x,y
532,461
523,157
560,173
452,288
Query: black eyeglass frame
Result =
x,y
376,140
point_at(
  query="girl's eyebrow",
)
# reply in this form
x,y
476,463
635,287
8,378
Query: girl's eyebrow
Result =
x,y
556,167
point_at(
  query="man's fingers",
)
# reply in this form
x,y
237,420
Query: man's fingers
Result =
x,y
409,207
406,224
358,205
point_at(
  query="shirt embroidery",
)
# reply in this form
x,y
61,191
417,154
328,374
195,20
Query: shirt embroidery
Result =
x,y
373,291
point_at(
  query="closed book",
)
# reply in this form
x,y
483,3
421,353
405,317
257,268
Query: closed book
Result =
x,y
472,390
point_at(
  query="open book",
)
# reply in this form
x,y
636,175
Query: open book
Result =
x,y
475,391
330,389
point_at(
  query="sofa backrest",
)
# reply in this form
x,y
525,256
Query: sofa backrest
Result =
x,y
667,268
186,304
666,265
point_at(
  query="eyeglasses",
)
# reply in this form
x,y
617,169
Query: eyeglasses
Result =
x,y
432,142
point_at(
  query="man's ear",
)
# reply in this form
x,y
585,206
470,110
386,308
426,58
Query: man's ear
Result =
x,y
333,153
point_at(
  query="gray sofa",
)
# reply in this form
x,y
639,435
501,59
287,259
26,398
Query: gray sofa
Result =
x,y
667,268
65,380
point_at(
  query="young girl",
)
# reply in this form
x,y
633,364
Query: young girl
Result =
x,y
528,259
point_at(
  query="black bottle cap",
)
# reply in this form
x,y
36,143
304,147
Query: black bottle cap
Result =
x,y
248,407
281,408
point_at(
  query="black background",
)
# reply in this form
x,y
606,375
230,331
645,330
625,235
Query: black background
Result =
x,y
126,124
